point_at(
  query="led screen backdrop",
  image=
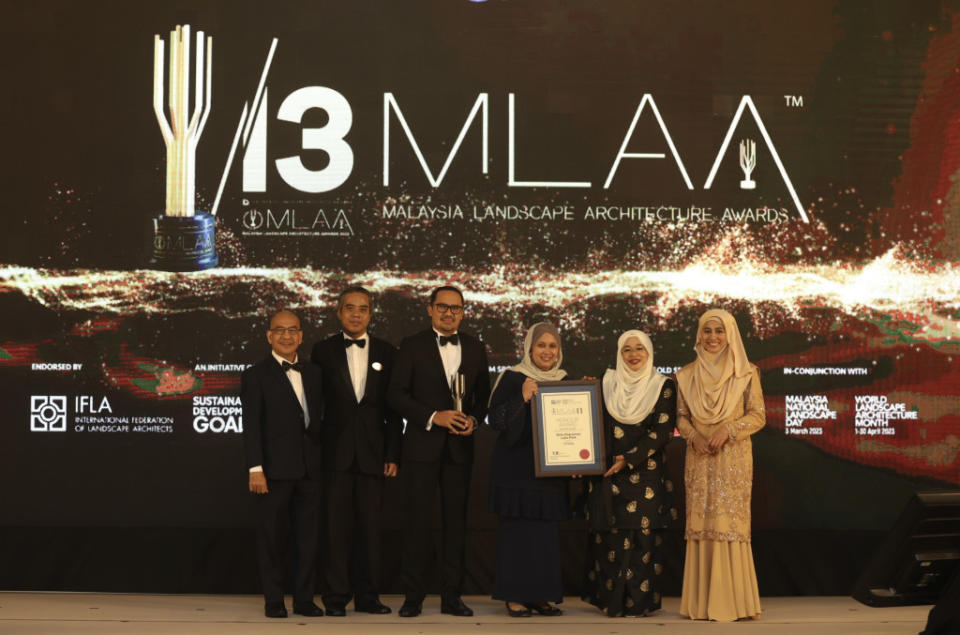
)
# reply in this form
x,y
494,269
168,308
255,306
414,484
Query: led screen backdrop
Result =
x,y
603,165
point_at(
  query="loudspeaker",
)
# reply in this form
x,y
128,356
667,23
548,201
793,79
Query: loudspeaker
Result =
x,y
919,557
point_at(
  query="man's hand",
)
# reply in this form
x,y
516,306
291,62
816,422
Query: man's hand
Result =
x,y
472,423
529,389
454,421
258,483
389,470
719,438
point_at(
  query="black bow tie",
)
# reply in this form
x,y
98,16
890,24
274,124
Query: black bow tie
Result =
x,y
288,366
348,342
451,339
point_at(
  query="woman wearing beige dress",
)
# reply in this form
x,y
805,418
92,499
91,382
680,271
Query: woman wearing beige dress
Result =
x,y
720,405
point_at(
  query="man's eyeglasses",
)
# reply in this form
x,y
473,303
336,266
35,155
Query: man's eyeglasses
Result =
x,y
455,309
289,330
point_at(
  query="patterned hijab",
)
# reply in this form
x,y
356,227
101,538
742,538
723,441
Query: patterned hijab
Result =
x,y
630,395
714,384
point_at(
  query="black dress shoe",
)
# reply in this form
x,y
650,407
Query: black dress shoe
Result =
x,y
456,607
336,610
410,609
524,612
544,609
274,609
376,607
309,609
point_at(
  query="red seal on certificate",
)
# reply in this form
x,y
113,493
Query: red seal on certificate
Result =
x,y
584,454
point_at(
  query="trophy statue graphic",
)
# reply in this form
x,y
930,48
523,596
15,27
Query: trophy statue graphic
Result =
x,y
184,238
748,162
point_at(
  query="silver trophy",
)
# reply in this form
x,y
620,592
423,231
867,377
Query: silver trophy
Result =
x,y
458,387
748,162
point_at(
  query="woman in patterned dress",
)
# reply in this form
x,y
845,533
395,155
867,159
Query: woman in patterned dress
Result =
x,y
719,407
628,508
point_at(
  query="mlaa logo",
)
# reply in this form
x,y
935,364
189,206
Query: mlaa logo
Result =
x,y
48,413
291,221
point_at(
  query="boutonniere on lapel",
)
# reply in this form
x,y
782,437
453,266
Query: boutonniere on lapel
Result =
x,y
376,366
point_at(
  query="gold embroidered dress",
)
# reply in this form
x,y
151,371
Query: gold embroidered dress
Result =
x,y
719,579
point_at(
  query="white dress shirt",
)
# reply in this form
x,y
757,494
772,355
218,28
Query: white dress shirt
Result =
x,y
357,359
450,355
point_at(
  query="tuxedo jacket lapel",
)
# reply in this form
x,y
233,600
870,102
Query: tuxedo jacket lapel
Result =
x,y
437,360
311,376
281,378
466,361
340,355
373,376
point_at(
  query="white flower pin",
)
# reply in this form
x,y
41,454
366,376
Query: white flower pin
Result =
x,y
377,366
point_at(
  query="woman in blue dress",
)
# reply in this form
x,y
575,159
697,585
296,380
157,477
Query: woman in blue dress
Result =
x,y
528,570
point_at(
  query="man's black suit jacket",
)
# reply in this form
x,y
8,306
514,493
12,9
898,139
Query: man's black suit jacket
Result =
x,y
419,387
369,431
273,421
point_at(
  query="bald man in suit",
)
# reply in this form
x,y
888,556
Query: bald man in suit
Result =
x,y
282,401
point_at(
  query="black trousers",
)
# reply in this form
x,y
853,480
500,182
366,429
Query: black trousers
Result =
x,y
353,503
421,481
289,506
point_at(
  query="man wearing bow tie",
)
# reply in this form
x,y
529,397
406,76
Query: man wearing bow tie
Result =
x,y
438,445
361,446
282,401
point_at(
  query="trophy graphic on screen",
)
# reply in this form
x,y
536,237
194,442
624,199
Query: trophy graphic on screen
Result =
x,y
458,387
184,238
748,162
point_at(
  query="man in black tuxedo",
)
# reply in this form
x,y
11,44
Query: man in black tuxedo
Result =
x,y
361,446
438,445
282,400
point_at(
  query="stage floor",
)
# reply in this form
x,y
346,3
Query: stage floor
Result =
x,y
241,614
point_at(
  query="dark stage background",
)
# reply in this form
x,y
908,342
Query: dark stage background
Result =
x,y
120,433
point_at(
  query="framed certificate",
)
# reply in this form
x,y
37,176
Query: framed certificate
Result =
x,y
568,428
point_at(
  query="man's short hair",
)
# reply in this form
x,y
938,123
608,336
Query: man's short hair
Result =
x,y
436,292
354,289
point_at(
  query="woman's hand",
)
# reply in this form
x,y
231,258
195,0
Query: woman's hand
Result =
x,y
701,445
619,462
529,389
718,438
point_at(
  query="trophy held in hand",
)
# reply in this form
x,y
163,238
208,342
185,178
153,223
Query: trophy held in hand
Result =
x,y
458,387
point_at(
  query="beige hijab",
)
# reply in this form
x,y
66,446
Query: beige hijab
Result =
x,y
630,395
714,384
526,365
